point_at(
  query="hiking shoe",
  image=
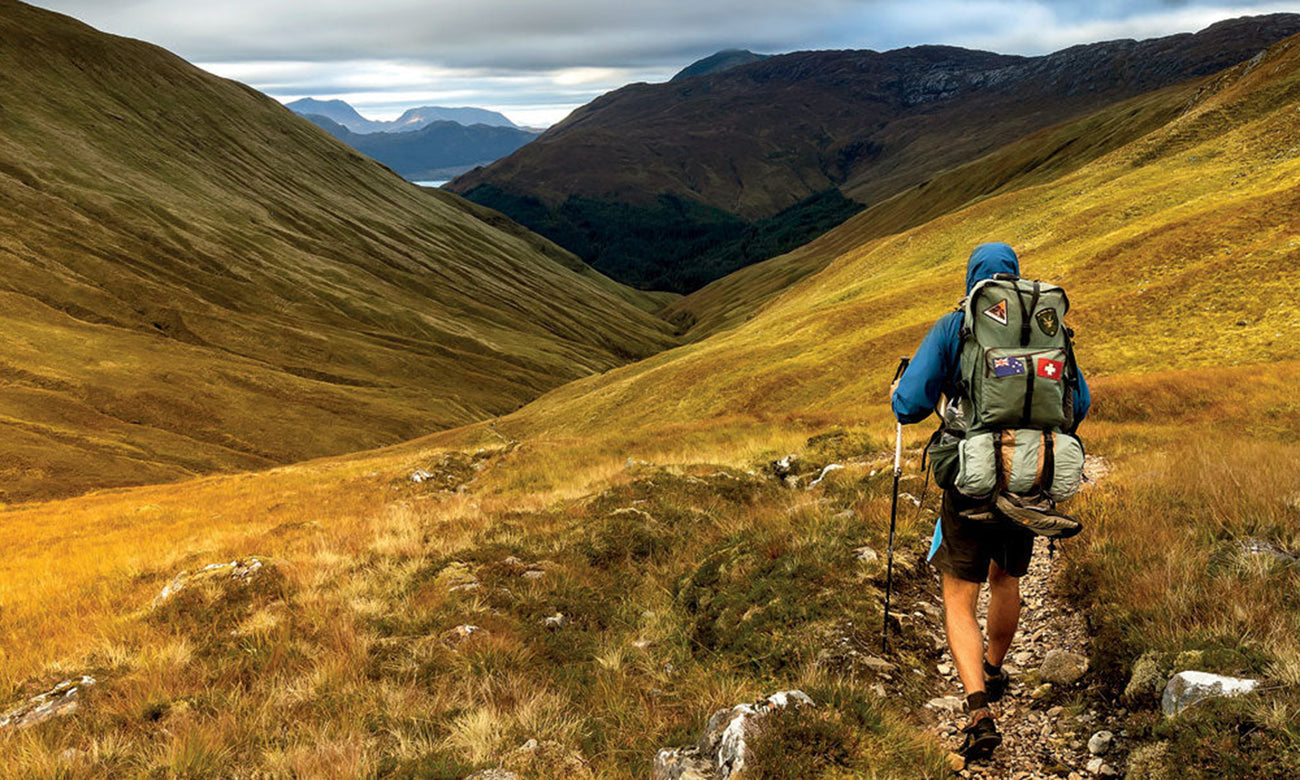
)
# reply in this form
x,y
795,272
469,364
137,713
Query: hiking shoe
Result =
x,y
981,738
995,684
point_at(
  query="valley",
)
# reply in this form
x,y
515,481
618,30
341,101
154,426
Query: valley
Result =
x,y
492,514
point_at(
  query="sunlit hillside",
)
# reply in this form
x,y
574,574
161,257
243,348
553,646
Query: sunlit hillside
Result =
x,y
637,508
195,279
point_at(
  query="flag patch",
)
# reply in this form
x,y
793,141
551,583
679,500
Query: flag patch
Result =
x,y
1051,369
997,312
1008,366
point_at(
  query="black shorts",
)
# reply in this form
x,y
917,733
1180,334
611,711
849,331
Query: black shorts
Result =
x,y
963,547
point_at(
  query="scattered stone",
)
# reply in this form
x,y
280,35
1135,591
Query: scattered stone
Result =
x,y
534,574
1063,667
866,555
1100,768
945,704
1263,548
555,622
1186,689
944,669
457,636
1041,692
956,762
512,561
1100,743
847,514
239,570
785,466
877,664
721,750
930,610
915,501
457,576
1147,679
62,699
420,475
827,470
493,774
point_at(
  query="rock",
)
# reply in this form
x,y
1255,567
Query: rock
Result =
x,y
1041,692
62,699
420,475
721,750
1099,767
944,669
533,574
1100,743
866,555
956,762
1062,667
457,636
1146,681
832,467
847,514
930,610
1259,547
785,466
877,664
555,622
239,570
945,704
1186,689
512,561
493,774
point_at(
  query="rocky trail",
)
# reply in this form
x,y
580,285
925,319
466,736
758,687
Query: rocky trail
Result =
x,y
1048,728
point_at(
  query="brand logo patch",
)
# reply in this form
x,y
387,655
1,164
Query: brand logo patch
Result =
x,y
1048,321
1050,369
1008,366
997,312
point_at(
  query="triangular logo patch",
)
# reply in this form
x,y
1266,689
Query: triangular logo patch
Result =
x,y
997,312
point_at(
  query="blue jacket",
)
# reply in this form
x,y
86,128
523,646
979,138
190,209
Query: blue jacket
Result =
x,y
935,362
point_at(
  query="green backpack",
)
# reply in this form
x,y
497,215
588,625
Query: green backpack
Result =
x,y
1007,436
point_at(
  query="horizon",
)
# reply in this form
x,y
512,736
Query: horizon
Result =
x,y
536,65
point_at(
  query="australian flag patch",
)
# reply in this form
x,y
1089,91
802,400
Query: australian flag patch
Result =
x,y
1008,366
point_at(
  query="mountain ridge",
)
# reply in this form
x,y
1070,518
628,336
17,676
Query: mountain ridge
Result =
x,y
412,119
865,124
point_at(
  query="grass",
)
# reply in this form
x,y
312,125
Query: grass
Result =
x,y
687,578
198,280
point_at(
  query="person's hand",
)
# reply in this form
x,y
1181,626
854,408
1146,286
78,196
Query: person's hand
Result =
x,y
894,387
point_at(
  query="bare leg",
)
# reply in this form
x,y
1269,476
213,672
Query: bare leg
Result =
x,y
964,638
1004,613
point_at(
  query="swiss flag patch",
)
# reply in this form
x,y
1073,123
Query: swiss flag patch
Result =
x,y
1051,369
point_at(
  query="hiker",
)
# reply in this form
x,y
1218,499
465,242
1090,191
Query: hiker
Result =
x,y
974,538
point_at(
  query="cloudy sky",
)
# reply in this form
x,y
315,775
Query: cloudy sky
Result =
x,y
535,61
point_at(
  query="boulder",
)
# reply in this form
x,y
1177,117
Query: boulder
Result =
x,y
1062,667
721,750
62,699
1147,678
1186,689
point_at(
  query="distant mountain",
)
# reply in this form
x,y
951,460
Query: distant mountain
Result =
x,y
717,63
413,119
668,186
439,150
196,280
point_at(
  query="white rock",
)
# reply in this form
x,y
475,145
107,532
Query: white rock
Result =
x,y
945,704
1100,743
62,699
555,621
721,751
1186,689
827,470
240,570
866,555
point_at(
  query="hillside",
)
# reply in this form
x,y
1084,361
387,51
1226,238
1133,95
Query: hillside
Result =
x,y
718,62
197,280
644,180
584,581
437,150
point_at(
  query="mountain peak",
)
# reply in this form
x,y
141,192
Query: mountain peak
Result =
x,y
718,62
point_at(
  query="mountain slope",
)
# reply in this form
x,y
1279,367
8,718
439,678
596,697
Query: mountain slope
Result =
x,y
196,279
568,601
718,62
657,159
437,150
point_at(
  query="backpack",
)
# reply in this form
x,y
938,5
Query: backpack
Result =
x,y
1007,430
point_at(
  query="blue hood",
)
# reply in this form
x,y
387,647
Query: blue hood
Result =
x,y
989,259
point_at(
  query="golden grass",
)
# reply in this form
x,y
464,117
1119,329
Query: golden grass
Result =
x,y
732,586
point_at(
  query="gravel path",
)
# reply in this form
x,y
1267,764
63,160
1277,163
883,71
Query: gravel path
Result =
x,y
1045,730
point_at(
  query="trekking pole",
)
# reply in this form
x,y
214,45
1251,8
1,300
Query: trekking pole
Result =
x,y
893,517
